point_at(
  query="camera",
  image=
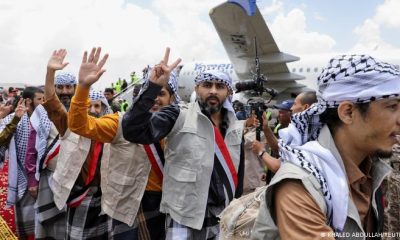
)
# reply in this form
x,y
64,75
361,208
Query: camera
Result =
x,y
256,86
258,108
246,86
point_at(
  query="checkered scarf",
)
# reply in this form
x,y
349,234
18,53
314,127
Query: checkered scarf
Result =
x,y
65,79
173,84
41,123
17,181
220,77
95,96
355,78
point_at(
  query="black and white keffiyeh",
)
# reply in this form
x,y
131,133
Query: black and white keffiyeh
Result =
x,y
42,124
173,84
355,78
210,75
219,76
95,96
65,79
17,180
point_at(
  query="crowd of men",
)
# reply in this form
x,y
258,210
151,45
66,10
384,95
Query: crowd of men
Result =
x,y
80,168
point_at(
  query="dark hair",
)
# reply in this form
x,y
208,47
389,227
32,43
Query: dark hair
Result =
x,y
29,92
309,97
331,118
169,89
109,90
136,89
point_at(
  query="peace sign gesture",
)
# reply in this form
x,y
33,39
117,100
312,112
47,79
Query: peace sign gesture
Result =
x,y
91,69
161,72
21,108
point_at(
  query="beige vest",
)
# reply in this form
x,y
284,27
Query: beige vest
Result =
x,y
254,169
189,161
124,174
265,227
73,152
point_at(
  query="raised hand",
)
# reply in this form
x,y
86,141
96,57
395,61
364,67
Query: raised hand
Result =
x,y
56,61
91,69
21,108
5,110
161,72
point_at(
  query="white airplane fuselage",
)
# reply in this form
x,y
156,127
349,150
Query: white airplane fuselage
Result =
x,y
310,67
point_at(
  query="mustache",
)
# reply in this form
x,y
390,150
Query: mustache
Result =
x,y
65,95
212,98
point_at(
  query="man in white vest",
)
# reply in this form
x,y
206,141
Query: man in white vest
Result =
x,y
76,180
132,173
328,185
203,157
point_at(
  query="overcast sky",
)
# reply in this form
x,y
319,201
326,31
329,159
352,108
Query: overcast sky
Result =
x,y
135,33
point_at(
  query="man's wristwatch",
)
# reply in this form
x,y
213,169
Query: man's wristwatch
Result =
x,y
260,154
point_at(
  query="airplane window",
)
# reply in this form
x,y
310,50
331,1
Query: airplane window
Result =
x,y
231,71
316,69
308,69
193,73
300,69
397,67
294,70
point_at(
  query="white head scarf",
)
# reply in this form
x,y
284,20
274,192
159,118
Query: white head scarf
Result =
x,y
95,96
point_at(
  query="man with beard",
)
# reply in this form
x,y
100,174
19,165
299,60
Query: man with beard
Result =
x,y
41,160
52,121
203,157
76,179
328,185
132,174
18,196
65,88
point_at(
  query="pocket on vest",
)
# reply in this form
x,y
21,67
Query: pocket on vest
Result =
x,y
118,184
181,187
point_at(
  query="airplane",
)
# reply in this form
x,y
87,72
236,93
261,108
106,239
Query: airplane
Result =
x,y
238,23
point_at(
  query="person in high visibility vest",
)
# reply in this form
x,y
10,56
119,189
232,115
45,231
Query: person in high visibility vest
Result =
x,y
124,106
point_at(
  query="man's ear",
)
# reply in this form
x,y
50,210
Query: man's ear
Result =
x,y
346,112
306,106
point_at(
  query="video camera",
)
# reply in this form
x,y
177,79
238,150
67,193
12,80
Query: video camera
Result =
x,y
256,85
258,108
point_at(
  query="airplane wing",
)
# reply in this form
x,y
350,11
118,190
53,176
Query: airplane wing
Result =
x,y
237,23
